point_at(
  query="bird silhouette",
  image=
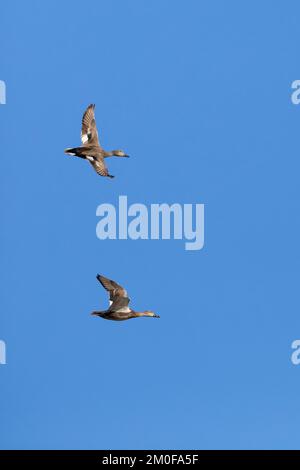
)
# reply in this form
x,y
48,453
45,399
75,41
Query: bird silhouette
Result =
x,y
118,309
91,149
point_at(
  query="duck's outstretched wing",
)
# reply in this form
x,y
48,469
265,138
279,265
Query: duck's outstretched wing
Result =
x,y
117,294
120,304
89,133
99,166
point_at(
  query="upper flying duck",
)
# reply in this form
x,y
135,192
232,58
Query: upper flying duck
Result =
x,y
91,149
118,309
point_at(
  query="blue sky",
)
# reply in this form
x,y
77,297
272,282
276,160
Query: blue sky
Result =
x,y
198,93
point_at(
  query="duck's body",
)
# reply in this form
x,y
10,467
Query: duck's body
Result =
x,y
115,316
119,301
91,149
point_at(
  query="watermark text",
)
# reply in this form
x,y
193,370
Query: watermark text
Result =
x,y
2,352
154,222
295,357
2,92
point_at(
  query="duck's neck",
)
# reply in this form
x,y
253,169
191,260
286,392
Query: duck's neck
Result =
x,y
144,314
111,153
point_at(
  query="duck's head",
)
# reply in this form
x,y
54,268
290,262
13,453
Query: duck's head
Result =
x,y
120,153
149,313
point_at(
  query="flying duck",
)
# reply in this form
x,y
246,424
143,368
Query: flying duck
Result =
x,y
118,299
91,149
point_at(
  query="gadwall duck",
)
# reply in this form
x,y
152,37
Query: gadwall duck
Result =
x,y
91,149
118,309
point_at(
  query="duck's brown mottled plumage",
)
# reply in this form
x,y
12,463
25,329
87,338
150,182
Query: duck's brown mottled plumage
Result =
x,y
118,309
91,149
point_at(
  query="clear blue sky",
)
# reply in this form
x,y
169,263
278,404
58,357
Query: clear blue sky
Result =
x,y
198,93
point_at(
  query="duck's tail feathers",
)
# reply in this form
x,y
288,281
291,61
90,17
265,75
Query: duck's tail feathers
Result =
x,y
76,152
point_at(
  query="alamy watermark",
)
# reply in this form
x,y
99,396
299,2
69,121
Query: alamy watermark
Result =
x,y
2,343
295,96
2,92
295,356
154,222
2,352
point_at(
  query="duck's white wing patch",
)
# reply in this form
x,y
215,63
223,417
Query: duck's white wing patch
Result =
x,y
124,310
84,138
120,304
88,128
